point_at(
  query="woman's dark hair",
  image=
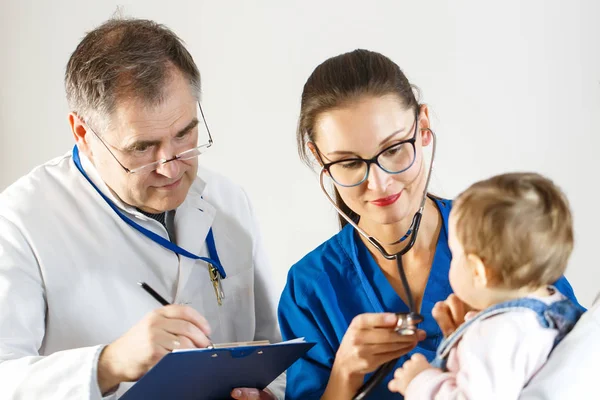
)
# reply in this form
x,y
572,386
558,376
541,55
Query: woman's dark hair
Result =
x,y
342,80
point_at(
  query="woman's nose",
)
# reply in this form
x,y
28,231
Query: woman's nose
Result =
x,y
378,179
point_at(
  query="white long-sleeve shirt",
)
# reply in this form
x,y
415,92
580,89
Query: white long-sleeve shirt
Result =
x,y
69,268
571,372
495,359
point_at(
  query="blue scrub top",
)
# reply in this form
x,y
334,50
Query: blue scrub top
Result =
x,y
340,280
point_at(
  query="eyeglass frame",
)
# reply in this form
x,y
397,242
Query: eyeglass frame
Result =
x,y
372,160
161,161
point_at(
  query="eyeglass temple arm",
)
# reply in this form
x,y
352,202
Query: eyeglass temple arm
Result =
x,y
107,148
210,139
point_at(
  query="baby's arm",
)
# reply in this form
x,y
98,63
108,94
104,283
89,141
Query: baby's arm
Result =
x,y
494,360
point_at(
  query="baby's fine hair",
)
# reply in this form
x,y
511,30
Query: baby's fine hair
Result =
x,y
520,225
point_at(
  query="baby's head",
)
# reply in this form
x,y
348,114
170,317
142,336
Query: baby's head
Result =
x,y
509,235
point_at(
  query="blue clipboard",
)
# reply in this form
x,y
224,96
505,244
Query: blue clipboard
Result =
x,y
211,374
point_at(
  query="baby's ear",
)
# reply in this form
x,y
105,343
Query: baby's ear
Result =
x,y
480,275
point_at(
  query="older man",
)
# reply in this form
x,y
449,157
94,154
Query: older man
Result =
x,y
128,204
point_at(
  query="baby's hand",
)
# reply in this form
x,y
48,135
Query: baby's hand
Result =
x,y
409,370
450,314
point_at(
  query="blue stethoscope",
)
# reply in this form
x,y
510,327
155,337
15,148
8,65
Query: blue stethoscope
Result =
x,y
407,322
213,257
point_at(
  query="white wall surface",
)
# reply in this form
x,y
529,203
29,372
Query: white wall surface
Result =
x,y
513,85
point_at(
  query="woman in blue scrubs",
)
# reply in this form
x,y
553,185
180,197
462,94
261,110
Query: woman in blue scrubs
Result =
x,y
360,120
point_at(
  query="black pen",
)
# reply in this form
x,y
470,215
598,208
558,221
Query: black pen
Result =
x,y
153,293
162,301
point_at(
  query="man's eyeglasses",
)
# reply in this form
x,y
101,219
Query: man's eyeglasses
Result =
x,y
152,166
394,159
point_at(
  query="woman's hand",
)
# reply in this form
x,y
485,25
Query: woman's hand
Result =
x,y
369,342
252,394
450,314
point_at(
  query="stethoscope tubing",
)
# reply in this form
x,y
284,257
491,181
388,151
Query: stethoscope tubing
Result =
x,y
386,368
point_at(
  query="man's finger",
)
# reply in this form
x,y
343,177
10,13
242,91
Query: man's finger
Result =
x,y
185,343
185,329
186,313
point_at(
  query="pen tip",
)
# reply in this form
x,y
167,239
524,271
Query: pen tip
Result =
x,y
140,283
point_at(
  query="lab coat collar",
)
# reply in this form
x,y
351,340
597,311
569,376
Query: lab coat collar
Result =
x,y
194,203
94,176
196,215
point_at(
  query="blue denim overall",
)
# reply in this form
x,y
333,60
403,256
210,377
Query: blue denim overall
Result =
x,y
561,315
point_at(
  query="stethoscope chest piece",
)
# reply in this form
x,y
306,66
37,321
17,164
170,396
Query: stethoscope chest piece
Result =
x,y
407,323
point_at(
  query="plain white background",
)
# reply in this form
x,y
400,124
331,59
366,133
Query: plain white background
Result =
x,y
512,85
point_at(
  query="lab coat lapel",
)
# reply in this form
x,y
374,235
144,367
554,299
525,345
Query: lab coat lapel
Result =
x,y
193,220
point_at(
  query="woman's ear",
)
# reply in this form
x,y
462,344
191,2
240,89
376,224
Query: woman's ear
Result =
x,y
424,126
479,270
313,149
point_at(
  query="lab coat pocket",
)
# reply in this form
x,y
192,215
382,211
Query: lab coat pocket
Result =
x,y
237,314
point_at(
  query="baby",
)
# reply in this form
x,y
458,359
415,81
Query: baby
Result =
x,y
510,238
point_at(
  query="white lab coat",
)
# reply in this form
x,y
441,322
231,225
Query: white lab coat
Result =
x,y
69,268
571,371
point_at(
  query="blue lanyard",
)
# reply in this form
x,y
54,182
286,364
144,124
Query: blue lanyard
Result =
x,y
210,239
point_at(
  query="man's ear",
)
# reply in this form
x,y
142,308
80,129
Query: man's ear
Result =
x,y
80,134
480,274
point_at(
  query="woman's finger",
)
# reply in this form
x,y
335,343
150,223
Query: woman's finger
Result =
x,y
381,336
388,348
374,320
377,360
249,394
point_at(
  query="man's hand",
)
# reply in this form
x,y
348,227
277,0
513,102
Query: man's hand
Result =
x,y
409,370
160,332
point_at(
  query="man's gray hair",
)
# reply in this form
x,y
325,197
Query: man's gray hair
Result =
x,y
124,59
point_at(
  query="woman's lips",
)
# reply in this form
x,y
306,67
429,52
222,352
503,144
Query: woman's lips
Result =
x,y
386,201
